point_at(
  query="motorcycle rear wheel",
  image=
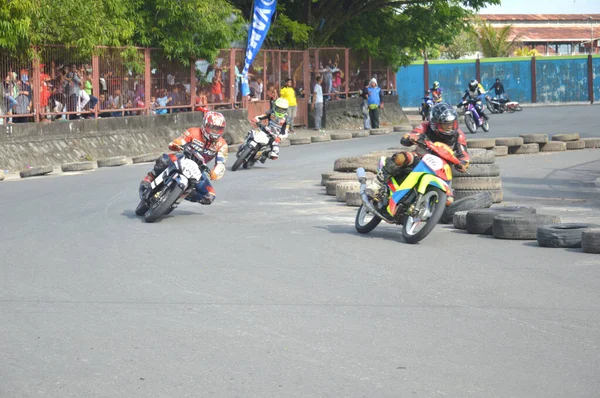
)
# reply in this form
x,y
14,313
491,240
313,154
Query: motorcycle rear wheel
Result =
x,y
435,204
362,226
485,126
470,122
163,204
241,159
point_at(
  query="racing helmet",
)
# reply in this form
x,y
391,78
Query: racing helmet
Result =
x,y
473,85
213,126
444,119
436,85
280,107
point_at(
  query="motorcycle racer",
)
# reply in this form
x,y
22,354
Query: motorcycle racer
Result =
x,y
209,142
277,121
474,94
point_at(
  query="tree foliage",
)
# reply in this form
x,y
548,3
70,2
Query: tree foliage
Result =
x,y
183,29
464,43
526,52
496,42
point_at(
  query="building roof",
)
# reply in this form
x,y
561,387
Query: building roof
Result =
x,y
538,17
553,34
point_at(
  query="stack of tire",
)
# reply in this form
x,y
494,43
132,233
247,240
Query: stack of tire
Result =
x,y
483,174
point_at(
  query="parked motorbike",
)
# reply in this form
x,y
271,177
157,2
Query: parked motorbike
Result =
x,y
256,146
418,202
173,185
473,119
501,105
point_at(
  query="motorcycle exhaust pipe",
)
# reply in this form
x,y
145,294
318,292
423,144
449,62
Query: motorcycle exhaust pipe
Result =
x,y
362,178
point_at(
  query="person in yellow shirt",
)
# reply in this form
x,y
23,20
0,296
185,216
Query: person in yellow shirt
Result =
x,y
289,93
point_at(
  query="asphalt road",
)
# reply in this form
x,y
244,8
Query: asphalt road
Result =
x,y
269,292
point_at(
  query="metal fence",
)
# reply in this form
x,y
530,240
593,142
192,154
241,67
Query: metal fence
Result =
x,y
58,84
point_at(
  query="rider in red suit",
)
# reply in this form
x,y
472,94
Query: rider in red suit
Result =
x,y
443,127
208,137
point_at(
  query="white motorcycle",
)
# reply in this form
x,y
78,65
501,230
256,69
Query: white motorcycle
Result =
x,y
173,185
256,146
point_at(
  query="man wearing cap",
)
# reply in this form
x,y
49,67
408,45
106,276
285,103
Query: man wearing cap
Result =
x,y
375,101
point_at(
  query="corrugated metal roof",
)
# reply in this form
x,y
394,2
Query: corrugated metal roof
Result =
x,y
553,34
538,17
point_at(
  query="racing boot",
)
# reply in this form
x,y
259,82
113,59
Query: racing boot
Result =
x,y
274,153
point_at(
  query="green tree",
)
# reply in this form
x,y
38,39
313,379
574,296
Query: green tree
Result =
x,y
497,42
392,31
463,44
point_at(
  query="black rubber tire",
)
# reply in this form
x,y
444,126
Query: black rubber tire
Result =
x,y
567,235
590,240
485,126
438,212
481,221
566,137
146,158
77,166
574,145
330,186
241,159
479,201
501,151
482,157
141,208
164,204
520,226
553,146
497,194
350,164
485,143
459,220
477,183
353,199
36,171
368,227
509,141
338,176
592,142
470,123
342,188
524,149
479,170
534,138
112,161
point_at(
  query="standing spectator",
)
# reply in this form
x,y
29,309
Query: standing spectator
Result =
x,y
10,93
289,93
217,88
24,97
498,89
375,101
44,93
364,107
317,103
162,102
272,94
116,102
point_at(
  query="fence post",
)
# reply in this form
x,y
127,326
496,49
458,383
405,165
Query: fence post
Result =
x,y
193,84
264,92
590,67
346,71
426,75
232,79
478,70
533,81
147,79
370,72
96,82
36,85
307,84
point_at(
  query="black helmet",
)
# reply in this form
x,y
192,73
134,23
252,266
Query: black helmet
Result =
x,y
444,119
473,85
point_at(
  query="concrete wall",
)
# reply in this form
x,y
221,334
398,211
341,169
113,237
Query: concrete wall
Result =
x,y
30,144
346,114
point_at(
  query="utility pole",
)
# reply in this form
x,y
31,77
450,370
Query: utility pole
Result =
x,y
592,34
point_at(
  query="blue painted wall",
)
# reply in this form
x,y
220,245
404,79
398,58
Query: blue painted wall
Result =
x,y
557,79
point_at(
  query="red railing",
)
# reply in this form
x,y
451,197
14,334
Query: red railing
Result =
x,y
59,84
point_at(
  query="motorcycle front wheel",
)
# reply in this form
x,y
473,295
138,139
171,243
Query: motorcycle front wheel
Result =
x,y
241,159
163,204
434,204
470,122
364,223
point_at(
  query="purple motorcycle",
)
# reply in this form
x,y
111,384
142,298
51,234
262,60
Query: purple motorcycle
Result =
x,y
473,119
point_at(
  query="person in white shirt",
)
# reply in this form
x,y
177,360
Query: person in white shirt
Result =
x,y
317,103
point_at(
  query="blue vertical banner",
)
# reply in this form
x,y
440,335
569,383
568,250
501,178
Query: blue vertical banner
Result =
x,y
261,22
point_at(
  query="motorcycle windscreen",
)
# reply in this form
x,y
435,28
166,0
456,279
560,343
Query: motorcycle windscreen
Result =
x,y
399,191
